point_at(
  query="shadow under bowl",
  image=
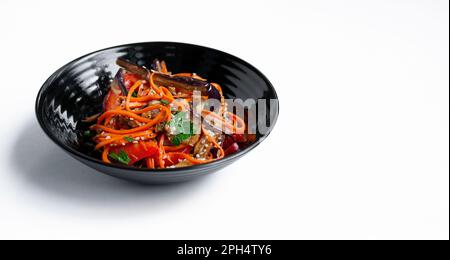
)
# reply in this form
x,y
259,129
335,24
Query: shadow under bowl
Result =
x,y
77,90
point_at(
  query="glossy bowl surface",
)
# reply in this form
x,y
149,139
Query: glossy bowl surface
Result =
x,y
77,90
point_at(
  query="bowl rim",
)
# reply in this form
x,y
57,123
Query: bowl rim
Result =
x,y
74,152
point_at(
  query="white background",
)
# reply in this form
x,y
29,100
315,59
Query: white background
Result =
x,y
360,150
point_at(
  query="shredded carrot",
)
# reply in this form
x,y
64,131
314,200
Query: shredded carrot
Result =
x,y
168,96
237,127
130,93
174,148
153,85
132,114
162,153
126,131
120,139
150,163
105,155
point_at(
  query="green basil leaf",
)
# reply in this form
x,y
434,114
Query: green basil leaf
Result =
x,y
122,157
178,139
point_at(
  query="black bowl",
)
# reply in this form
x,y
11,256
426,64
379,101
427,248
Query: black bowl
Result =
x,y
76,91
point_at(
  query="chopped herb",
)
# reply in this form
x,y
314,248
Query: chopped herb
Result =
x,y
181,127
178,139
165,102
129,139
134,95
122,157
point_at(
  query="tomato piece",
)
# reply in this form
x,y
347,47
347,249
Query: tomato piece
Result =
x,y
227,142
172,160
240,138
232,149
129,79
139,151
112,100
